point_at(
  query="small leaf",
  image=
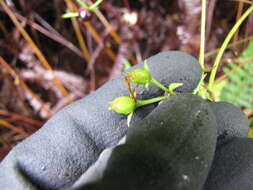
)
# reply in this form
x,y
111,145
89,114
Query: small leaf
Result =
x,y
173,86
70,15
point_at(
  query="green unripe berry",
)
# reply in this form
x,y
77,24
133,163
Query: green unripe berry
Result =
x,y
123,105
140,76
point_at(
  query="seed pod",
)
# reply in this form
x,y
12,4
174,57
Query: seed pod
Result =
x,y
140,76
123,105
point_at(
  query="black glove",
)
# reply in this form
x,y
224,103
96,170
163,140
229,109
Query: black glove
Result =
x,y
232,167
171,148
63,149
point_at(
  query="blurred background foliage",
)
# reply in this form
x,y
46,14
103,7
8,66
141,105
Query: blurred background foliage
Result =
x,y
238,88
47,62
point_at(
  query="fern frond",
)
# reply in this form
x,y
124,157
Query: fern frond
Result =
x,y
239,88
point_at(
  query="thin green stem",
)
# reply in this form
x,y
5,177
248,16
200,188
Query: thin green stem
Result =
x,y
201,84
202,47
95,5
70,15
225,44
140,103
83,4
92,7
155,82
202,35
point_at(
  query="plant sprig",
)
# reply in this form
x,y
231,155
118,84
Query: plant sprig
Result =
x,y
144,77
85,6
203,90
127,104
92,7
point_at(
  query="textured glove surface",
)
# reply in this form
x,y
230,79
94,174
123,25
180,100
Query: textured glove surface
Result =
x,y
233,166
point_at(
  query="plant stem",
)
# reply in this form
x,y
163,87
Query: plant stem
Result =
x,y
94,6
224,46
202,47
202,38
155,82
140,103
83,4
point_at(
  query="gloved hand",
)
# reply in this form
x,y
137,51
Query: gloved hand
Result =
x,y
171,148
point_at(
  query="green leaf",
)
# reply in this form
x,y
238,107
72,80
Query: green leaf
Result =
x,y
70,15
93,7
173,86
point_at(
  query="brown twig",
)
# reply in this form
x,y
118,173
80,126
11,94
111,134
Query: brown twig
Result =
x,y
94,33
34,99
78,31
234,44
118,66
108,26
56,37
97,37
38,74
210,12
13,128
36,50
239,13
21,117
91,68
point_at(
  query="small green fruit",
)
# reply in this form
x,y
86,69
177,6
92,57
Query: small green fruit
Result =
x,y
140,76
123,105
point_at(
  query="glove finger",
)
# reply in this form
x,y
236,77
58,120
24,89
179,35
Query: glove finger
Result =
x,y
232,167
172,148
67,144
232,122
